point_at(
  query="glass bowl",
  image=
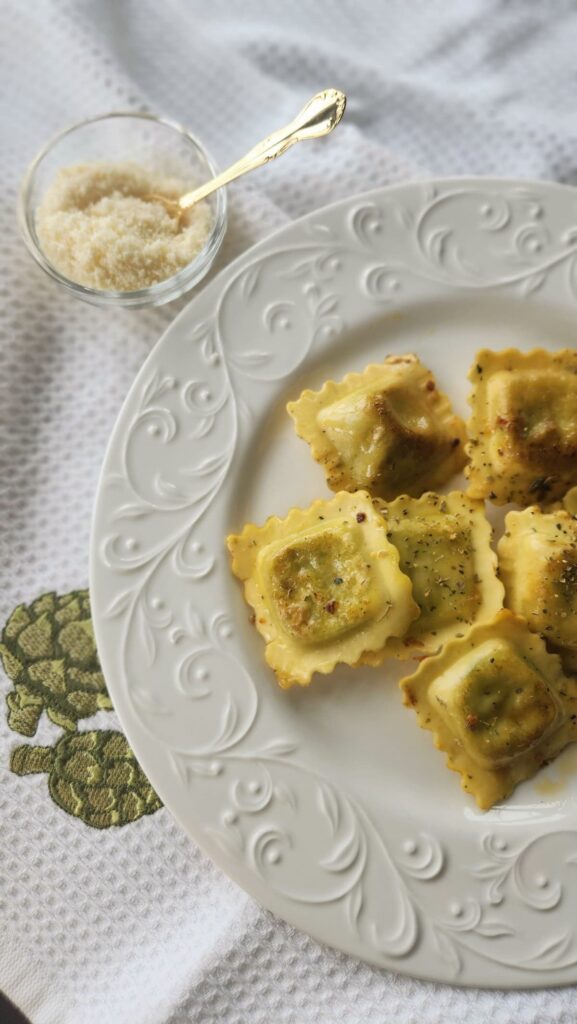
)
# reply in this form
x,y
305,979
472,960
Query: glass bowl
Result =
x,y
142,139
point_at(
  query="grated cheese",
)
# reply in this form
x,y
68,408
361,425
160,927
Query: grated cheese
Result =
x,y
96,228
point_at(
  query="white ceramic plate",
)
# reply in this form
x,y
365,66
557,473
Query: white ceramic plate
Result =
x,y
329,804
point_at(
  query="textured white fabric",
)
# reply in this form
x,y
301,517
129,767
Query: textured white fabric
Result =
x,y
134,925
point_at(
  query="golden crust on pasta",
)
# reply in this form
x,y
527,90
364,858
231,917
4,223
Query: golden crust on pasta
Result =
x,y
498,704
538,564
325,585
387,430
444,544
523,427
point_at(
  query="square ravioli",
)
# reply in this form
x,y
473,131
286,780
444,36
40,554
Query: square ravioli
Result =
x,y
444,544
325,585
538,561
523,428
388,430
497,703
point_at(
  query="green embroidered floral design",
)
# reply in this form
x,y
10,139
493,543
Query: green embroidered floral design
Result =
x,y
93,775
48,651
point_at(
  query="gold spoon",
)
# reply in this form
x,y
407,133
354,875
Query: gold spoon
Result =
x,y
318,117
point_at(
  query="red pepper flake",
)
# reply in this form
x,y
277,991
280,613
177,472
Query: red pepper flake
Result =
x,y
472,721
430,385
331,607
502,421
360,517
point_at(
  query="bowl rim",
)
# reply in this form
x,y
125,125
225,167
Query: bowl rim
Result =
x,y
162,291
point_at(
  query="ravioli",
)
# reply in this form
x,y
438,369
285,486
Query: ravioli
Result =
x,y
538,560
444,544
568,502
523,427
388,430
497,703
325,585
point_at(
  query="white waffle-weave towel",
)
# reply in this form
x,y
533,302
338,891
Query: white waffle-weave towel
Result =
x,y
134,925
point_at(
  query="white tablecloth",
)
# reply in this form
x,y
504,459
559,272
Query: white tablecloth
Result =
x,y
133,925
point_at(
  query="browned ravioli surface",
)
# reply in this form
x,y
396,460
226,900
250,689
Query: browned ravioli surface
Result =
x,y
388,430
498,703
523,427
325,585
